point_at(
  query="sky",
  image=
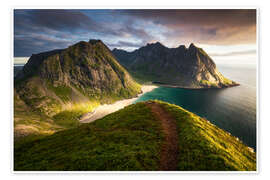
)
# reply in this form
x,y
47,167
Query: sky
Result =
x,y
222,33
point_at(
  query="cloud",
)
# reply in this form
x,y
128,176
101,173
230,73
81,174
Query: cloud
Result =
x,y
39,30
197,17
236,53
55,19
211,26
140,33
26,46
46,29
120,44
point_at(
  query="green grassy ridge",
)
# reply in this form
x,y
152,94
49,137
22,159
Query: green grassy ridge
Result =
x,y
131,139
203,146
128,139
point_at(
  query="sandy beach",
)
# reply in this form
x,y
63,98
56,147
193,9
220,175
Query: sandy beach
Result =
x,y
105,109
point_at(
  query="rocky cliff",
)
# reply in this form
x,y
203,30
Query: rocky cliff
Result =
x,y
86,71
185,67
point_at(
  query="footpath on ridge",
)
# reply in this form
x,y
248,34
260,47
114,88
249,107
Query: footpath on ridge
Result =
x,y
170,147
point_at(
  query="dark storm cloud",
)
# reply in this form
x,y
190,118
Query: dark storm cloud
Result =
x,y
67,20
26,46
205,17
39,30
227,26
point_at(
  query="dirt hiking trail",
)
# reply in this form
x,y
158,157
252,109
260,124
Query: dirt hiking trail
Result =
x,y
169,150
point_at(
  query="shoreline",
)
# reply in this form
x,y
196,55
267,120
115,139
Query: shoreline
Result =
x,y
190,88
106,109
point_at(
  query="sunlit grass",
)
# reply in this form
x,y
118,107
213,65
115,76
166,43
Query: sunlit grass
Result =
x,y
203,146
128,139
208,83
70,117
131,139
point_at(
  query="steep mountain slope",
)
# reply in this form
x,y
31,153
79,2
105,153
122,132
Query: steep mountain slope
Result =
x,y
134,138
185,67
77,78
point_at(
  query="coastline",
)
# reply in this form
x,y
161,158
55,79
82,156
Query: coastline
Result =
x,y
198,88
106,109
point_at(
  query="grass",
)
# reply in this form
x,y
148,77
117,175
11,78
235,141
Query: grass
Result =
x,y
128,139
31,121
203,146
70,118
131,139
227,81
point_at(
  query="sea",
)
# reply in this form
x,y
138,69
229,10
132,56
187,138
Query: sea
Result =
x,y
231,109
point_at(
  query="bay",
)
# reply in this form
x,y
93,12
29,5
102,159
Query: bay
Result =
x,y
232,109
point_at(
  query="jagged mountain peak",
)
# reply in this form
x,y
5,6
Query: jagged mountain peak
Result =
x,y
182,47
192,46
94,41
119,50
86,46
155,44
91,42
186,67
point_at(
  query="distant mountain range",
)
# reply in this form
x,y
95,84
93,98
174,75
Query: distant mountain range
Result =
x,y
184,67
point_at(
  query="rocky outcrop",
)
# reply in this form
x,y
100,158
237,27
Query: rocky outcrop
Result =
x,y
185,67
86,71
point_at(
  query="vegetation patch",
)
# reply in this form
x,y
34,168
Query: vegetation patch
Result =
x,y
128,139
70,118
227,81
63,92
131,139
208,83
203,146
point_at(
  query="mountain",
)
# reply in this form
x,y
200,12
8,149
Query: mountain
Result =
x,y
185,67
146,136
77,78
17,69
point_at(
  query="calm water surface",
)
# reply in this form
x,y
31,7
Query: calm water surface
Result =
x,y
232,109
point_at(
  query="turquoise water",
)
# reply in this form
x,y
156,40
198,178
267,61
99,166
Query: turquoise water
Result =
x,y
232,109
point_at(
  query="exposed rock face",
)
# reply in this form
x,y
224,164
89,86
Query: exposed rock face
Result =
x,y
82,72
186,67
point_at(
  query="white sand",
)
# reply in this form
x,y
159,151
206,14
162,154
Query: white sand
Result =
x,y
105,109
